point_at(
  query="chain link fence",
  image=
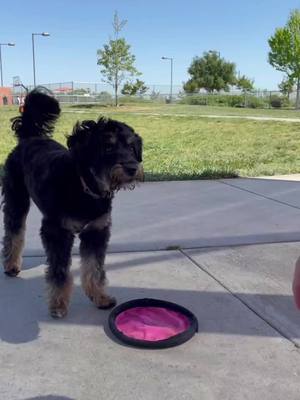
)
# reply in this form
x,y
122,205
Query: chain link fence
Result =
x,y
253,99
98,93
93,92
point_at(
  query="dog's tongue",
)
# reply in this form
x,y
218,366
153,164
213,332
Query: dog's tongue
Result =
x,y
296,283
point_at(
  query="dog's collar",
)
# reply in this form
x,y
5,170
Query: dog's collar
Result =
x,y
94,195
87,190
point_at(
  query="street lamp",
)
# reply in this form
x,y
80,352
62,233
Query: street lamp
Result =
x,y
171,89
33,55
3,44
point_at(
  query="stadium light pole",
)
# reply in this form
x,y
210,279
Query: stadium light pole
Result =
x,y
171,88
33,54
3,44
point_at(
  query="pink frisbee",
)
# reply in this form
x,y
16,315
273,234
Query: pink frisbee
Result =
x,y
152,323
296,283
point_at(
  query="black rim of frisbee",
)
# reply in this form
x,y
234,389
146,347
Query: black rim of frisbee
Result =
x,y
158,344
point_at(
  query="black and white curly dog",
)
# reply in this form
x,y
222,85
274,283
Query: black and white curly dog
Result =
x,y
73,188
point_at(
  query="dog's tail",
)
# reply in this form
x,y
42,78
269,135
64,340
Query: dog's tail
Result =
x,y
39,113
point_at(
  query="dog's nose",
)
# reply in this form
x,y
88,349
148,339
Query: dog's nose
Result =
x,y
131,171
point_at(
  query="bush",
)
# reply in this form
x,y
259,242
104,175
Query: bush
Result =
x,y
276,101
236,101
255,102
229,100
195,100
133,99
214,100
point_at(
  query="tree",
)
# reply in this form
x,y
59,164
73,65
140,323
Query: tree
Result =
x,y
284,52
116,60
210,72
190,87
134,88
244,84
286,86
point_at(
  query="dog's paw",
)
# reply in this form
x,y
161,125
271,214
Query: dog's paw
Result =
x,y
109,302
12,272
106,302
58,312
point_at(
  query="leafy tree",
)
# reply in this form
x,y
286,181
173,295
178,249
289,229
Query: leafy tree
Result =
x,y
134,88
284,52
286,86
211,72
116,60
190,86
244,84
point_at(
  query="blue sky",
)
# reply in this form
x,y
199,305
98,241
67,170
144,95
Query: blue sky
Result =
x,y
179,29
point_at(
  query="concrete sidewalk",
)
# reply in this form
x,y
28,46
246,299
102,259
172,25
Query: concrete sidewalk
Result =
x,y
192,214
238,244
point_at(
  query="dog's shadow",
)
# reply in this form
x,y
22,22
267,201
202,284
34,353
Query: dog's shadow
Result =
x,y
24,307
49,397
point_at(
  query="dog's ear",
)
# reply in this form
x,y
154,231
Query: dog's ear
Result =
x,y
106,125
102,124
138,147
81,134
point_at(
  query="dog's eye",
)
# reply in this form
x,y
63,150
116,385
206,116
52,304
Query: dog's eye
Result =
x,y
132,149
109,148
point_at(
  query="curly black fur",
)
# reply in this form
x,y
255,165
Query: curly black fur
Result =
x,y
73,188
39,115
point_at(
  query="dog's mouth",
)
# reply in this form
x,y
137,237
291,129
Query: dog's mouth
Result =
x,y
126,177
119,177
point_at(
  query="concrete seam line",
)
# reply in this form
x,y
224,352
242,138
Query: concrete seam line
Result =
x,y
259,195
270,324
225,246
205,246
76,253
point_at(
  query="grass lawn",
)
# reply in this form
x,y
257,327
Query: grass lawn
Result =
x,y
188,147
180,109
214,110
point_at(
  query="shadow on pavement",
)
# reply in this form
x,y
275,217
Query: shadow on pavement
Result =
x,y
49,397
36,257
23,307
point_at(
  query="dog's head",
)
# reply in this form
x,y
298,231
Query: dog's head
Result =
x,y
108,152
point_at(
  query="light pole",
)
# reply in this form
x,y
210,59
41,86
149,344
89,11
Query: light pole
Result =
x,y
33,55
3,44
171,88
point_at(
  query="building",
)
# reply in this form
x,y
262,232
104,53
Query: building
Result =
x,y
6,96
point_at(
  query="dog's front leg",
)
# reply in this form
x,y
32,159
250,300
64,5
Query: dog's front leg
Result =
x,y
94,240
58,244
